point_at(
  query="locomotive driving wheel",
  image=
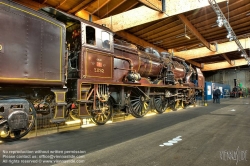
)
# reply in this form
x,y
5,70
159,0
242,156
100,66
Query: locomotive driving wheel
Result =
x,y
160,103
139,103
174,104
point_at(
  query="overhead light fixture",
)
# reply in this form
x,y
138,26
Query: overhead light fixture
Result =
x,y
186,33
243,55
181,35
230,36
219,21
187,36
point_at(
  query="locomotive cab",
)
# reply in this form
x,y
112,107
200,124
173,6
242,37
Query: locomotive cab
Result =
x,y
89,47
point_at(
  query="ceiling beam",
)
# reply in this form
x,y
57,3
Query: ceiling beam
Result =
x,y
143,14
61,3
204,52
153,4
76,9
31,4
227,59
85,15
195,32
100,4
223,65
194,63
44,1
112,7
137,41
131,5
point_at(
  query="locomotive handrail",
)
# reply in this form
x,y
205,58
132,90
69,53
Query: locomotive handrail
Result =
x,y
123,69
131,65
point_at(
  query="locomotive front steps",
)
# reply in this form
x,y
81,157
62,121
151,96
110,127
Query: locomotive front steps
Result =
x,y
58,115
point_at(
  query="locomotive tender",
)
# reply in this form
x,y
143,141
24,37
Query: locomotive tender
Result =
x,y
57,64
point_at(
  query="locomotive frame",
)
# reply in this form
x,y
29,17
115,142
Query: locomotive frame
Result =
x,y
55,63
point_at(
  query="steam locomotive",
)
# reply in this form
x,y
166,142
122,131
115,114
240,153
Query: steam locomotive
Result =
x,y
56,64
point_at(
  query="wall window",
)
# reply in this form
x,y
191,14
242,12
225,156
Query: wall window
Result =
x,y
106,40
90,35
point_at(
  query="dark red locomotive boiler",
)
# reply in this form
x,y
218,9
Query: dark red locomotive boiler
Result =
x,y
55,64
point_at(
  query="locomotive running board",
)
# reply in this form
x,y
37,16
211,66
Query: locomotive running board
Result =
x,y
60,107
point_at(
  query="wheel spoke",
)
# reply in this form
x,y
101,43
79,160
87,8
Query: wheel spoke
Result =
x,y
137,107
136,99
134,104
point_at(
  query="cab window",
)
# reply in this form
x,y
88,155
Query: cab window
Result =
x,y
105,40
90,35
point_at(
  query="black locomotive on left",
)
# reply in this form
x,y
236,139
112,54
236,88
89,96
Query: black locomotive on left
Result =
x,y
56,64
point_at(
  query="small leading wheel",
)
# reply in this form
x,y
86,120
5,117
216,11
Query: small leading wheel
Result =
x,y
160,104
102,113
139,104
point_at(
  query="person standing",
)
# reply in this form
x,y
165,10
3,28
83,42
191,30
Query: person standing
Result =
x,y
214,95
218,93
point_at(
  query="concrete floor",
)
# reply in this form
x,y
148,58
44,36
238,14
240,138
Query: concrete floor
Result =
x,y
212,135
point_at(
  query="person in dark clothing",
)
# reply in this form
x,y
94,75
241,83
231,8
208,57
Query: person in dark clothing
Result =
x,y
217,93
214,95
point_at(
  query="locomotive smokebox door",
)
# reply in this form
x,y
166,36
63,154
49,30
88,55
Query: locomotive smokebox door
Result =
x,y
97,64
